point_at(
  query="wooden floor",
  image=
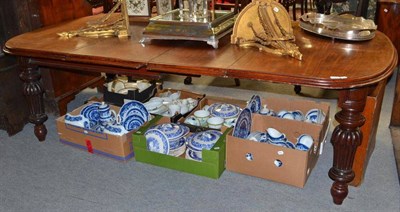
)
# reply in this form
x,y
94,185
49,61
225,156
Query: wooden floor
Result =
x,y
395,132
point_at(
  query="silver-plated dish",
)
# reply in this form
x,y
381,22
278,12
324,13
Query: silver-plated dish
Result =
x,y
345,27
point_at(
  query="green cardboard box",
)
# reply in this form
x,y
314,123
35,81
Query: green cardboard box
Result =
x,y
212,166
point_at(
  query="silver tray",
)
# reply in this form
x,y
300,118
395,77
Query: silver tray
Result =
x,y
345,27
176,25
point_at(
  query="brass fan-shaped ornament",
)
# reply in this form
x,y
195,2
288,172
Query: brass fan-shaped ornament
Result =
x,y
266,24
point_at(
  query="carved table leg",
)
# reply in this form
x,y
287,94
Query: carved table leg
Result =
x,y
346,137
34,94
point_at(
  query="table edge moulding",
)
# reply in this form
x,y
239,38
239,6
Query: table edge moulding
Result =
x,y
340,67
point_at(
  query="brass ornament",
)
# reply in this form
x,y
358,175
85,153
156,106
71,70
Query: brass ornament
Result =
x,y
266,25
107,26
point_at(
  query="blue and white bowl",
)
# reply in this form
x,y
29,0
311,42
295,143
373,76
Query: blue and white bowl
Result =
x,y
177,143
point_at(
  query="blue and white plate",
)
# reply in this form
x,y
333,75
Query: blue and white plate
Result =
x,y
172,130
91,111
254,104
203,140
133,108
132,125
243,124
157,141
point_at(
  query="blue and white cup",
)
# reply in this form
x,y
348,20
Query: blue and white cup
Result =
x,y
274,136
304,142
315,116
202,116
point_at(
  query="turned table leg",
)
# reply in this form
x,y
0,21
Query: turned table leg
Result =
x,y
346,137
33,91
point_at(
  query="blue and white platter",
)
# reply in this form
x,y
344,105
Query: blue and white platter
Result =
x,y
254,104
172,130
243,124
133,108
203,140
157,141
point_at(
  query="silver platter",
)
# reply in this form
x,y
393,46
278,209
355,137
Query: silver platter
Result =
x,y
345,27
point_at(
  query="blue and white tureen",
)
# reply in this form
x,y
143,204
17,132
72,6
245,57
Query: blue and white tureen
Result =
x,y
199,141
224,110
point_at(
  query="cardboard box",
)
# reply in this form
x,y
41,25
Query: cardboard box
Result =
x,y
296,165
119,99
112,146
212,165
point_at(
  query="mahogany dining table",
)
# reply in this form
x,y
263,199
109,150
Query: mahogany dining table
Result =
x,y
354,68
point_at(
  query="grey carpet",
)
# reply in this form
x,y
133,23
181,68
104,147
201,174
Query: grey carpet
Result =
x,y
50,176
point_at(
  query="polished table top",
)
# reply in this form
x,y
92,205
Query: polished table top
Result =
x,y
327,63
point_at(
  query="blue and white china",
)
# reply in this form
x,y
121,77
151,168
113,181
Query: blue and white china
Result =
x,y
215,122
274,135
278,163
288,115
192,120
224,110
304,142
302,147
254,104
78,121
178,151
115,129
290,145
106,114
243,124
281,143
249,156
172,130
202,116
176,143
203,140
315,116
255,136
132,125
91,111
157,141
298,115
230,122
133,108
281,113
265,111
193,155
98,128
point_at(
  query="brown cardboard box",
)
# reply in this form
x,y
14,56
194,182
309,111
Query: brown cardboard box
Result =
x,y
112,146
296,165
